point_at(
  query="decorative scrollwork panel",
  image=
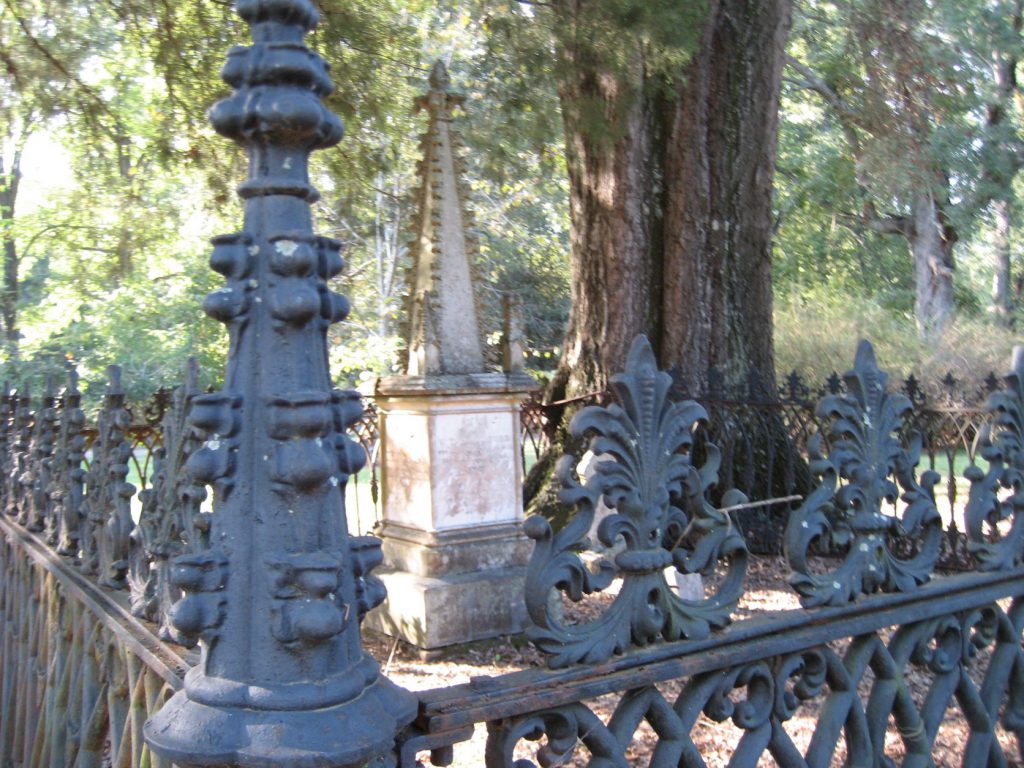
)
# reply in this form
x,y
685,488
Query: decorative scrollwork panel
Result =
x,y
995,523
869,503
877,700
170,522
659,518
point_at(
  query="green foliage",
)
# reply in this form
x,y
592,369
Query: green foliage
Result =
x,y
818,241
883,101
113,268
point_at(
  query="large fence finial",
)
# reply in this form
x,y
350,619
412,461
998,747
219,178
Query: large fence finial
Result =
x,y
276,599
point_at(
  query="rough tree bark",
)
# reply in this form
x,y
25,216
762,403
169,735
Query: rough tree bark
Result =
x,y
670,200
931,238
1000,171
719,172
671,205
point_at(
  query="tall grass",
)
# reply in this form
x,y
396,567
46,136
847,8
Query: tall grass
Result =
x,y
816,337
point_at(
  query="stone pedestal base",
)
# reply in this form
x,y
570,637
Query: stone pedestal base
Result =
x,y
454,550
452,587
432,613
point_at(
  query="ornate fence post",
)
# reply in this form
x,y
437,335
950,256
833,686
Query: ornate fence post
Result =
x,y
21,439
41,466
67,489
170,522
278,596
7,401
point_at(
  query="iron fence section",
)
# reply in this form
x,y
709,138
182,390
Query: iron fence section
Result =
x,y
78,674
882,653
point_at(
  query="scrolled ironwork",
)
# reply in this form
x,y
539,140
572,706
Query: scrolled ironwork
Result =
x,y
563,729
171,521
994,514
866,470
660,514
862,694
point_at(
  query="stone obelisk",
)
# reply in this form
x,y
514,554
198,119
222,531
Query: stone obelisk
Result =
x,y
454,550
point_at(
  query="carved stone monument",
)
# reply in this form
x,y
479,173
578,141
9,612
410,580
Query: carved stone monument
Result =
x,y
454,551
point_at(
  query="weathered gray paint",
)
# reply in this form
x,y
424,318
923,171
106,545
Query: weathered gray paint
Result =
x,y
277,598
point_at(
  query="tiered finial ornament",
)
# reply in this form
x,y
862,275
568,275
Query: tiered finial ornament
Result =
x,y
8,398
109,498
443,332
19,480
277,597
170,522
68,489
41,467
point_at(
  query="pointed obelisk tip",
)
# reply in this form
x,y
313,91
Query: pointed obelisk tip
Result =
x,y
114,377
865,357
191,374
640,353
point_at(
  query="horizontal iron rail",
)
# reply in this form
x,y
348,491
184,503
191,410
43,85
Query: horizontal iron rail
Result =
x,y
486,699
139,639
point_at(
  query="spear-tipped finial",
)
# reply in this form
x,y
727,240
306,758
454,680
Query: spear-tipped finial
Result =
x,y
439,79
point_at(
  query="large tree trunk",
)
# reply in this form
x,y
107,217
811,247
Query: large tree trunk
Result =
x,y
615,211
671,205
719,171
931,246
1002,302
1002,166
10,178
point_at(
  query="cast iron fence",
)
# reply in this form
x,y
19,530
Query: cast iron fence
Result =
x,y
88,595
763,443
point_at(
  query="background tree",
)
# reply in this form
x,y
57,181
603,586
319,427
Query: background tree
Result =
x,y
636,135
42,48
659,130
909,88
670,115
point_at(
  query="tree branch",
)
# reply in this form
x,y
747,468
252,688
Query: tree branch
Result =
x,y
849,122
57,63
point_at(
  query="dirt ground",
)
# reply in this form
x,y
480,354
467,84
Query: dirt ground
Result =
x,y
766,591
